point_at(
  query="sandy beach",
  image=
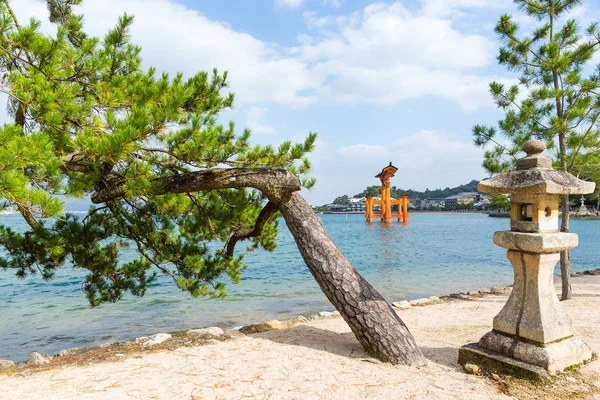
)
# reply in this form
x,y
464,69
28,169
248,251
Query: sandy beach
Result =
x,y
321,359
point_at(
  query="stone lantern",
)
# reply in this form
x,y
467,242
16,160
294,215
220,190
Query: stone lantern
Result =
x,y
532,335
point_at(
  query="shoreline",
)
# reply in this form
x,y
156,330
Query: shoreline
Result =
x,y
317,358
410,213
265,326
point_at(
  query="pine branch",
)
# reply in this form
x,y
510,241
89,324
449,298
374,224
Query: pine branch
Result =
x,y
267,212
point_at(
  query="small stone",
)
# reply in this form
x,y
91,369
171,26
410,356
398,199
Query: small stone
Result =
x,y
533,147
335,313
403,305
6,364
39,359
119,355
116,343
301,319
471,369
421,302
434,299
472,293
460,296
75,351
264,327
325,314
496,377
153,340
571,379
210,332
499,290
485,291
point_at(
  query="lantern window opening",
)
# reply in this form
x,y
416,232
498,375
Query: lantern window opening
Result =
x,y
526,212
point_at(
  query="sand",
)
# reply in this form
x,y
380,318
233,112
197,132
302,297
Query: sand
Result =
x,y
319,359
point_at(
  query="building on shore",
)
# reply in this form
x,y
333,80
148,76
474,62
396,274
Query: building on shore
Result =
x,y
434,202
461,200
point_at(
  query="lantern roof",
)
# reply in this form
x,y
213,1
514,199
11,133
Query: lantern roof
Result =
x,y
535,175
388,171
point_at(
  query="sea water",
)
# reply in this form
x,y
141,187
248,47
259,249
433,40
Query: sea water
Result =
x,y
435,254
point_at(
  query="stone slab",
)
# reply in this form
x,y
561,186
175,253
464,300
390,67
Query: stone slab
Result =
x,y
489,361
554,357
549,242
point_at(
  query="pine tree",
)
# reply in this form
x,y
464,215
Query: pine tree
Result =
x,y
552,100
168,179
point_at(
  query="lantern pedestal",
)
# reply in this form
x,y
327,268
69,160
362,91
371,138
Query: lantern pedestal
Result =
x,y
532,328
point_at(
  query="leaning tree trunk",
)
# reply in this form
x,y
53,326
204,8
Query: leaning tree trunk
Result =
x,y
565,256
377,327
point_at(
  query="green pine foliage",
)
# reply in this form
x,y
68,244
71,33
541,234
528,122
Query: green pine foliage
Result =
x,y
556,97
86,116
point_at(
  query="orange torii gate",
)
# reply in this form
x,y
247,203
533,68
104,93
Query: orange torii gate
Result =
x,y
386,202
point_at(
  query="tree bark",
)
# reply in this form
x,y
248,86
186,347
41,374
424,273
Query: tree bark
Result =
x,y
377,327
375,324
565,256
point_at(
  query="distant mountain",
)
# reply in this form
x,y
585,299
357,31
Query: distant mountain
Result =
x,y
417,195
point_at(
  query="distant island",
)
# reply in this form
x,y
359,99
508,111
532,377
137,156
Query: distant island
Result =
x,y
460,198
463,197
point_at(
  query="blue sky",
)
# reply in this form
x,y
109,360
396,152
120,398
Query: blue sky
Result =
x,y
401,81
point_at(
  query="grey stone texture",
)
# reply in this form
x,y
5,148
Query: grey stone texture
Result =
x,y
39,359
264,327
490,361
210,332
553,357
536,243
532,335
325,314
6,364
425,301
153,340
75,351
403,305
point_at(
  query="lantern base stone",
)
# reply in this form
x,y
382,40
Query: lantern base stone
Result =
x,y
515,356
490,361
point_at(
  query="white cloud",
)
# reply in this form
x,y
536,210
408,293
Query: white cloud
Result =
x,y
174,38
386,53
253,121
288,3
382,54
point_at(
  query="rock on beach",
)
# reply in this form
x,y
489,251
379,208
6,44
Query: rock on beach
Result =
x,y
6,364
39,359
153,340
264,327
424,301
209,333
403,305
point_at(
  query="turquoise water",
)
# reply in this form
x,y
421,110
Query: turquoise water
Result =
x,y
434,255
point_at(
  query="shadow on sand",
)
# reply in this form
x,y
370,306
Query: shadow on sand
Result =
x,y
346,345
